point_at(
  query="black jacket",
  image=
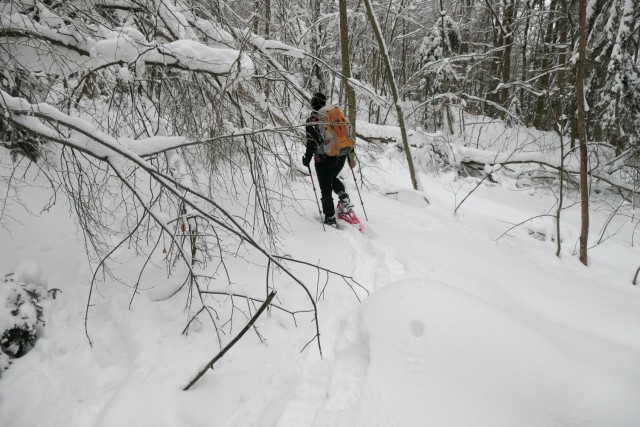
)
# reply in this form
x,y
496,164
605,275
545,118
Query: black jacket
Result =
x,y
313,135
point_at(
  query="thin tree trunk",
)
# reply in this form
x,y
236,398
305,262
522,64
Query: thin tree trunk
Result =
x,y
525,38
494,68
315,44
582,137
507,42
394,91
465,20
545,79
267,33
404,58
346,65
256,19
563,50
560,195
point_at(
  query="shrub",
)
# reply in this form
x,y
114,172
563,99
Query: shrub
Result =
x,y
20,316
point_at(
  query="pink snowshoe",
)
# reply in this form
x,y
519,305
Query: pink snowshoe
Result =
x,y
349,217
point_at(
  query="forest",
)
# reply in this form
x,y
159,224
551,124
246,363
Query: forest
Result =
x,y
174,131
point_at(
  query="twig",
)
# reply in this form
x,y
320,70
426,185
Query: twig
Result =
x,y
232,343
470,192
532,218
344,276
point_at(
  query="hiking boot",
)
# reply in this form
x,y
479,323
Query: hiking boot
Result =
x,y
344,204
331,221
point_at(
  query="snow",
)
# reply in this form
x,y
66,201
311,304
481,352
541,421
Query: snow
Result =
x,y
126,44
373,131
481,362
275,46
28,271
461,328
190,54
407,195
17,21
215,32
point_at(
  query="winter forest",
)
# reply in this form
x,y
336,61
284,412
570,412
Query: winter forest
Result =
x,y
163,257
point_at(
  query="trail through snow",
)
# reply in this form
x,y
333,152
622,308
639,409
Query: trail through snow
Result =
x,y
460,329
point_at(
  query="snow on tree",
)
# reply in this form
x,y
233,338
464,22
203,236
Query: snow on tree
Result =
x,y
614,81
443,39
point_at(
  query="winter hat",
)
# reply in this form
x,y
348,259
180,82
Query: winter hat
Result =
x,y
318,101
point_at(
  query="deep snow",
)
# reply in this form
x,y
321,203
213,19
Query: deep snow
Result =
x,y
460,329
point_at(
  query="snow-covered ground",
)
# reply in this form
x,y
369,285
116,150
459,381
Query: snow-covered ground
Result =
x,y
461,328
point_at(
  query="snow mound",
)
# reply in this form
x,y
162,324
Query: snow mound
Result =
x,y
475,365
28,271
408,196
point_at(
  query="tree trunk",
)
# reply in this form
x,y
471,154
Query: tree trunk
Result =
x,y
315,43
394,91
525,38
582,137
494,67
465,21
267,33
560,124
507,42
546,61
563,33
346,65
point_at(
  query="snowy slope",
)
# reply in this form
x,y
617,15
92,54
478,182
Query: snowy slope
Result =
x,y
460,329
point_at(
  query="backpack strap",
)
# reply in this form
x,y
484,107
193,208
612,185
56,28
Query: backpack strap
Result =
x,y
314,119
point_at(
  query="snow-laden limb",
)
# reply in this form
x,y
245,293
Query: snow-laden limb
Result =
x,y
87,138
275,46
605,173
160,144
232,36
21,26
497,106
380,133
27,115
128,45
117,4
185,54
215,32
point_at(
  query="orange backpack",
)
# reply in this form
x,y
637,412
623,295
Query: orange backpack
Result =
x,y
335,131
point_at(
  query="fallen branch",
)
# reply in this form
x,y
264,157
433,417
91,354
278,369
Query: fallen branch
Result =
x,y
233,342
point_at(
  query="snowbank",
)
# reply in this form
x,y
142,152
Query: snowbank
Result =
x,y
433,352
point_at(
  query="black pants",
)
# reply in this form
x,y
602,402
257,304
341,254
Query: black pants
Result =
x,y
327,170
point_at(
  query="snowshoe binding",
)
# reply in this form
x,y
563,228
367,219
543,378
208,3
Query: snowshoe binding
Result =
x,y
349,217
331,221
344,205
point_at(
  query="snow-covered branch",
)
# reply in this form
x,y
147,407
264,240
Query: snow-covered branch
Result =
x,y
475,156
128,45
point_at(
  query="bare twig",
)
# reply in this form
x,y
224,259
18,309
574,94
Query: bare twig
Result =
x,y
232,343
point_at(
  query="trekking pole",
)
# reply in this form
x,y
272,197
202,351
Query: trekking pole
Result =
x,y
316,194
359,195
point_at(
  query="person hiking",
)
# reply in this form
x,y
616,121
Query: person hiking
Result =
x,y
327,166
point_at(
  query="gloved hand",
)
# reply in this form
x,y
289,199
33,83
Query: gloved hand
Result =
x,y
351,159
306,160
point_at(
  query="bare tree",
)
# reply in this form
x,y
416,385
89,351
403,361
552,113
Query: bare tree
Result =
x,y
582,137
346,65
394,91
